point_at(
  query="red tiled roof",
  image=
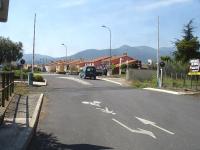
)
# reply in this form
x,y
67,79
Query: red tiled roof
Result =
x,y
100,58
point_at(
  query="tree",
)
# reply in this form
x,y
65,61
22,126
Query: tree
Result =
x,y
10,51
123,67
188,46
166,59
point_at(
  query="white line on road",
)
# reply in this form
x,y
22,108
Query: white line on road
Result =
x,y
139,131
76,80
147,122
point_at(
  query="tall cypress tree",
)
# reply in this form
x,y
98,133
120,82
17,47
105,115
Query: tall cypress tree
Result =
x,y
188,46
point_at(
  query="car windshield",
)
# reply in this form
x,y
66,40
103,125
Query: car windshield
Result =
x,y
90,69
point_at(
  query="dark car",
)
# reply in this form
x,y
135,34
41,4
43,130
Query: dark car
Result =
x,y
88,72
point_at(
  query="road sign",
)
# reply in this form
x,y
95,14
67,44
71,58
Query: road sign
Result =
x,y
194,73
4,5
195,65
22,61
162,64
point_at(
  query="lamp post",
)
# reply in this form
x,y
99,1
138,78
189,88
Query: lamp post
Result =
x,y
158,60
110,63
33,59
66,54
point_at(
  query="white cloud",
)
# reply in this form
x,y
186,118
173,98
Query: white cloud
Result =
x,y
72,3
159,4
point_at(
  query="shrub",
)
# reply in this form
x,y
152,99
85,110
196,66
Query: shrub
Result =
x,y
18,72
38,78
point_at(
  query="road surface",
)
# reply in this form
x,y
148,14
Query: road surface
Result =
x,y
96,115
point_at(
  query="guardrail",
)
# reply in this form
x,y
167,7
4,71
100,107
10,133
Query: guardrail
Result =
x,y
6,86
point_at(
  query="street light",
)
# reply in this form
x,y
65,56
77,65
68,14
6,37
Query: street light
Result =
x,y
103,26
66,54
66,51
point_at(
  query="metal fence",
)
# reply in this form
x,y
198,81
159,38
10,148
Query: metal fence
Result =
x,y
6,86
181,80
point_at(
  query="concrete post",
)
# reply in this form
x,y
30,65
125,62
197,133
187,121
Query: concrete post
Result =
x,y
120,63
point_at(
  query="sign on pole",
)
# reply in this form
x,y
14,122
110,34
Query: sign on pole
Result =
x,y
4,5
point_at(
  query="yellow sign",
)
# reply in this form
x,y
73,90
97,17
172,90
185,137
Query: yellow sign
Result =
x,y
194,73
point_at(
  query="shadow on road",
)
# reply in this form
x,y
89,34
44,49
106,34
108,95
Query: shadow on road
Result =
x,y
44,141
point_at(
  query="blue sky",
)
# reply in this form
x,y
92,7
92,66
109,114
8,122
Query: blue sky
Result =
x,y
77,23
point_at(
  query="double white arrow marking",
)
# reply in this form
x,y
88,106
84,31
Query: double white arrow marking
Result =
x,y
147,122
140,131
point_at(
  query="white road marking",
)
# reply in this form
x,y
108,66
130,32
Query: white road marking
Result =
x,y
97,104
165,91
106,110
76,80
139,131
147,122
94,103
87,103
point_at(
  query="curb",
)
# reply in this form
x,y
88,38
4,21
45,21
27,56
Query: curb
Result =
x,y
45,82
110,81
33,122
170,92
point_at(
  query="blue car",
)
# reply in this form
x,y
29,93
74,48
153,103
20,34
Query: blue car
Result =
x,y
88,72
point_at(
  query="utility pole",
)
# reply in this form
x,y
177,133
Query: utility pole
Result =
x,y
110,62
33,59
158,51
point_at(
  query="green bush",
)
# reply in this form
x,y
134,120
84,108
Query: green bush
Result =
x,y
38,78
18,72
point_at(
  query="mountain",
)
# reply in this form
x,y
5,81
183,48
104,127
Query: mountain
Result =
x,y
39,59
142,53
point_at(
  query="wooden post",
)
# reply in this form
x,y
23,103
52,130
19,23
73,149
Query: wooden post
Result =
x,y
3,89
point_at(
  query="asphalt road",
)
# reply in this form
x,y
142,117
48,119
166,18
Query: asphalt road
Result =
x,y
98,115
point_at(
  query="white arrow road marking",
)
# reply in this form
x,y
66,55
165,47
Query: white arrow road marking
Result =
x,y
140,131
76,80
106,110
147,122
94,103
87,103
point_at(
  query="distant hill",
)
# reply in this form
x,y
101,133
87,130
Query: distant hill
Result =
x,y
39,59
142,53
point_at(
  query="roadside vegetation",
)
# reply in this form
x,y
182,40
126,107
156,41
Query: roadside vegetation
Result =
x,y
21,89
175,72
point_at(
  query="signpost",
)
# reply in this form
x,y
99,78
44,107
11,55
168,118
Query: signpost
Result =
x,y
162,65
22,62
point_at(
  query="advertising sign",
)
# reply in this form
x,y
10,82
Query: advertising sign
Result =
x,y
195,65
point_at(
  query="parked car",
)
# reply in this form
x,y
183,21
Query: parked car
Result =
x,y
88,72
99,72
